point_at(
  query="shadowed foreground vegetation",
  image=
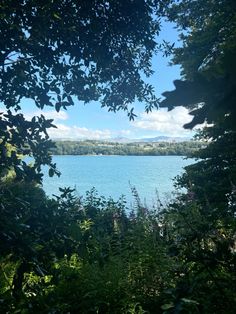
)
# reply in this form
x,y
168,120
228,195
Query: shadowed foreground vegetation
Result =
x,y
91,255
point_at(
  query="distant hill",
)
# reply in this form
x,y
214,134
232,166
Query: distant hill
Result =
x,y
164,139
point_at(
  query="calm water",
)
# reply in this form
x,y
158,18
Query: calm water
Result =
x,y
114,175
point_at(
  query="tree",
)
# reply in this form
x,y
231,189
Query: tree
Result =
x,y
202,221
208,66
207,60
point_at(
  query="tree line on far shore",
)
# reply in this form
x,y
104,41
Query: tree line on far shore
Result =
x,y
94,147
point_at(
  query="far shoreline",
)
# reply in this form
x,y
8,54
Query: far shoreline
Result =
x,y
93,155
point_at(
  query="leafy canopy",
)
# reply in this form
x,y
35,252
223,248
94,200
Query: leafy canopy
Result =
x,y
207,58
57,52
93,50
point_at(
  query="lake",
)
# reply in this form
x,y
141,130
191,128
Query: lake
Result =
x,y
114,175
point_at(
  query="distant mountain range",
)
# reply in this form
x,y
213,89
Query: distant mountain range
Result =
x,y
150,139
140,140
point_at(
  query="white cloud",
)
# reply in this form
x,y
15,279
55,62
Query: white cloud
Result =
x,y
169,123
72,132
76,132
124,133
52,114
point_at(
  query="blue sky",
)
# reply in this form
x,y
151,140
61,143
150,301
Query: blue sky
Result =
x,y
93,122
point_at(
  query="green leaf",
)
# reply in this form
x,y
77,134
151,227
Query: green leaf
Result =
x,y
56,16
58,106
167,306
189,301
51,172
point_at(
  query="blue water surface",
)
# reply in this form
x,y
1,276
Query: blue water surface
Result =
x,y
114,175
